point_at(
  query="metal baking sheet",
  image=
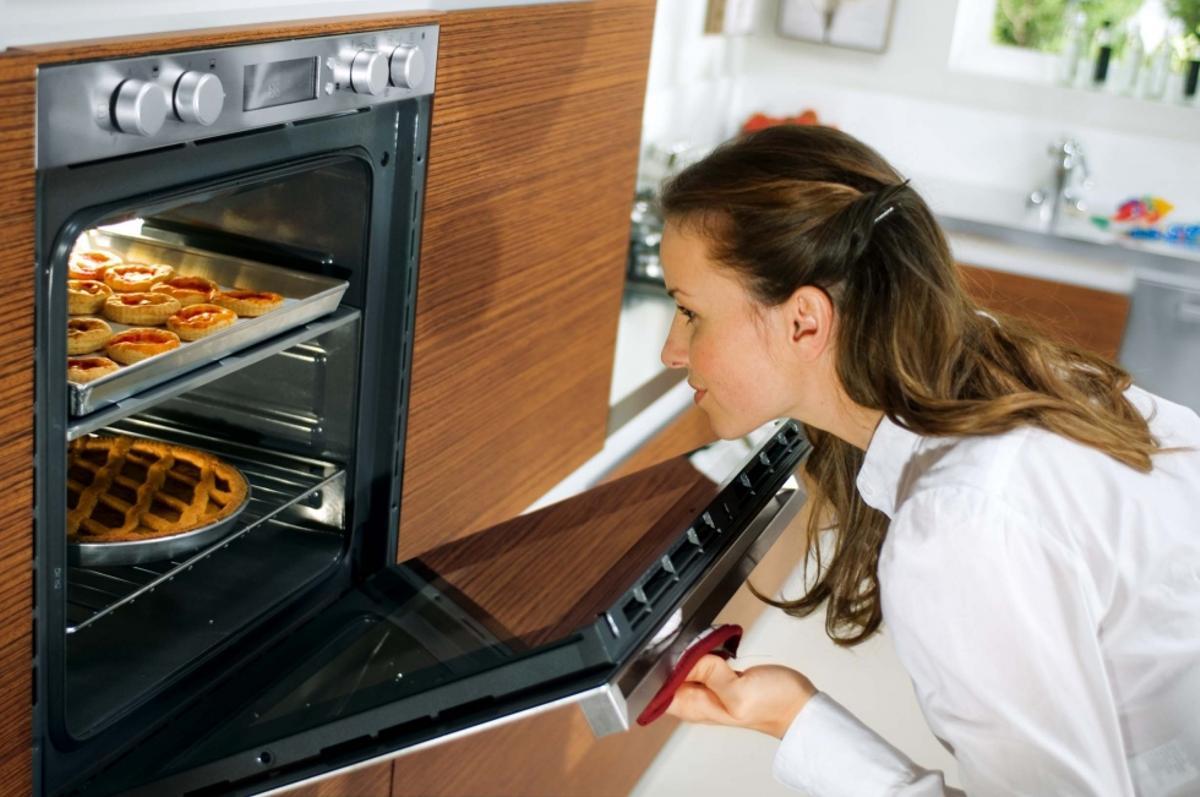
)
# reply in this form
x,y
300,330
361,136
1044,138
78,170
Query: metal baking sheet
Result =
x,y
136,552
306,297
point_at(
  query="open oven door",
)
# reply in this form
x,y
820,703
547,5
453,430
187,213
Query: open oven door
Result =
x,y
586,601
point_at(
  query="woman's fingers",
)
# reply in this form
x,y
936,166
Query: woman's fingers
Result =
x,y
699,698
697,703
714,672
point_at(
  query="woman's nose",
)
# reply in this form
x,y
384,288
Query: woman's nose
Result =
x,y
674,350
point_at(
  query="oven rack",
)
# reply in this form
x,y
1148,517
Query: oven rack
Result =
x,y
279,482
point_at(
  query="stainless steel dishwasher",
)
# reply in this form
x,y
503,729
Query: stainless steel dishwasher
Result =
x,y
1161,347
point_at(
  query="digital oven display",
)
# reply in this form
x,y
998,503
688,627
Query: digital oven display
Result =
x,y
279,83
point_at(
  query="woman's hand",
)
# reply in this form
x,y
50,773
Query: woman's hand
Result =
x,y
764,698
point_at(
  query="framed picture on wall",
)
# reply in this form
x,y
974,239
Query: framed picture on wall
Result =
x,y
858,24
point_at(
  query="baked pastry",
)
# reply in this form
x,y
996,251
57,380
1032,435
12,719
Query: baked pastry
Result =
x,y
248,304
121,489
198,320
87,335
86,369
188,290
142,309
90,264
136,276
85,297
140,343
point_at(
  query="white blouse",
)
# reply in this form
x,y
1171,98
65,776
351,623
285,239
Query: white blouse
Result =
x,y
1045,600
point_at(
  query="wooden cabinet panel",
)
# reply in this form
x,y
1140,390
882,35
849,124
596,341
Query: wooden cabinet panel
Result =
x,y
16,425
370,781
533,155
547,755
1088,317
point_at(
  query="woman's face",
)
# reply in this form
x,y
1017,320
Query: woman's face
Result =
x,y
732,347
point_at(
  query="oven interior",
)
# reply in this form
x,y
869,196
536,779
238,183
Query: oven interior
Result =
x,y
309,409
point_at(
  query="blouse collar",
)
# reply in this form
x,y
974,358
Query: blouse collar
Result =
x,y
889,452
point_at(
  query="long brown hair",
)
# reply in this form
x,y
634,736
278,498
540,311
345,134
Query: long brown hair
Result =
x,y
792,206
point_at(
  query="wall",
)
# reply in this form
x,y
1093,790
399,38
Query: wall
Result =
x,y
908,103
39,22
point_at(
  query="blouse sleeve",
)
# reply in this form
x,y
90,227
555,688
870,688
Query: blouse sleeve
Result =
x,y
997,624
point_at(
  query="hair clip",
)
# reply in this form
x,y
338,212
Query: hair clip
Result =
x,y
887,211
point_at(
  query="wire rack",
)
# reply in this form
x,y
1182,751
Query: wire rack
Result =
x,y
284,488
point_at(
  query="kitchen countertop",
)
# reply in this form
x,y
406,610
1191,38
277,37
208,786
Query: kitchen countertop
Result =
x,y
991,227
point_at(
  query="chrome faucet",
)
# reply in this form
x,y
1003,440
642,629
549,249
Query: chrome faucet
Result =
x,y
1068,181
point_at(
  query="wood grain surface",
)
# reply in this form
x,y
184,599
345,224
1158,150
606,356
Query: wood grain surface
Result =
x,y
370,781
16,424
547,573
532,161
1087,317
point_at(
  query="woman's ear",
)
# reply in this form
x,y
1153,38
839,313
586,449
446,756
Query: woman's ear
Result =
x,y
810,321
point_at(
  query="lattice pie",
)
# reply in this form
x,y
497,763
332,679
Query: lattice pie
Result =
x,y
123,488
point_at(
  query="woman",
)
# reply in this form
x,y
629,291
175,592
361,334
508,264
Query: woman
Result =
x,y
1022,518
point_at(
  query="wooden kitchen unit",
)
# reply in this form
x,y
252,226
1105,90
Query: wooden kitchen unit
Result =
x,y
1086,317
532,159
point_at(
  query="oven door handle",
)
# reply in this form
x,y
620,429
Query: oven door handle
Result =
x,y
611,707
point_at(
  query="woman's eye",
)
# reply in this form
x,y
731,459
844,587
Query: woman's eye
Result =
x,y
688,314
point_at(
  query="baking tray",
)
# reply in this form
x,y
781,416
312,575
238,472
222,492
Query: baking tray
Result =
x,y
306,297
136,552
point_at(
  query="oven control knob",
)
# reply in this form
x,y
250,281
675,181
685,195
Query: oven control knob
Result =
x,y
407,66
199,98
369,72
140,107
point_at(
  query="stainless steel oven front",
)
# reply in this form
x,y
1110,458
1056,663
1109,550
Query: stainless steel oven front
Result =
x,y
218,607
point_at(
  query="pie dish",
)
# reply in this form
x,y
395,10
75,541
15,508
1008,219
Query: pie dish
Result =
x,y
87,369
140,343
188,290
125,489
248,304
86,297
90,264
86,335
140,309
199,320
136,276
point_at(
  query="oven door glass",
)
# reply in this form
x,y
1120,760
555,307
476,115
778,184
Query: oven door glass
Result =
x,y
585,601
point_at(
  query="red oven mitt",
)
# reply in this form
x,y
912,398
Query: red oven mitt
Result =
x,y
721,640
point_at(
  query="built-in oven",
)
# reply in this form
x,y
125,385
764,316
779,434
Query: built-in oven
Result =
x,y
218,607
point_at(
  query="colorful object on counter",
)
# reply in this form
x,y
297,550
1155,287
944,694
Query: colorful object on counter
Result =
x,y
1139,218
1148,209
721,640
760,121
1186,234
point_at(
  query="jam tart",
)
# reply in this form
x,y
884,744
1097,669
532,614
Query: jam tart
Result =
x,y
85,335
86,297
141,309
122,489
200,320
87,369
188,290
136,276
248,304
140,343
91,264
